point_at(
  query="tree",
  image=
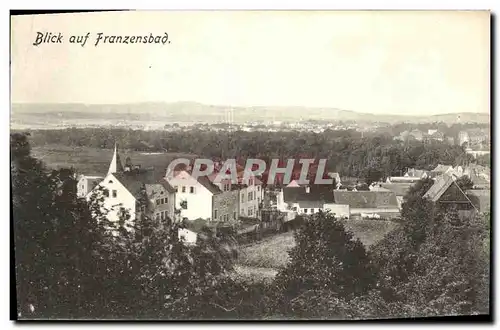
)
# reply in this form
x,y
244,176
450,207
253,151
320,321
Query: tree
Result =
x,y
372,175
55,238
326,257
435,263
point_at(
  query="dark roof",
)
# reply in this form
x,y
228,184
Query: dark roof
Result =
x,y
310,204
205,182
366,199
317,193
135,180
400,189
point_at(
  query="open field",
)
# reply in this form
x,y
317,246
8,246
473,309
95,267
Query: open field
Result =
x,y
93,161
271,252
262,259
370,232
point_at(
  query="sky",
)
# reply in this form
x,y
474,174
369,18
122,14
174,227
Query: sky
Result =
x,y
412,63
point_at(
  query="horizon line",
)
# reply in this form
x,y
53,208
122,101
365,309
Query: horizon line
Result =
x,y
249,106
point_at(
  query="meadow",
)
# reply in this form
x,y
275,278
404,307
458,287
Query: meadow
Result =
x,y
94,161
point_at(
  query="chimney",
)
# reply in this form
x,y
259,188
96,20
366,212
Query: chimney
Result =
x,y
308,189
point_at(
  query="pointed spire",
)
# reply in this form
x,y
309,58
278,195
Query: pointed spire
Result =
x,y
116,163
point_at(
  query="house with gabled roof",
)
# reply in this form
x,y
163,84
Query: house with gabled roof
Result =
x,y
445,192
195,196
133,191
306,199
86,183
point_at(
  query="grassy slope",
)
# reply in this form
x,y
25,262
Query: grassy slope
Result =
x,y
272,252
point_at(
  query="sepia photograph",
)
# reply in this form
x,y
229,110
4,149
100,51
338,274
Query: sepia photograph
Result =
x,y
251,165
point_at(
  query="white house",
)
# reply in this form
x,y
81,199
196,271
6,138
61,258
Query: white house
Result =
x,y
304,200
132,191
86,183
193,195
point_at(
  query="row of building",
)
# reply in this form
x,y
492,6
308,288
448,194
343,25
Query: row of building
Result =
x,y
178,197
475,139
384,199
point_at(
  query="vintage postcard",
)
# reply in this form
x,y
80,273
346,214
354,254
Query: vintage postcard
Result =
x,y
251,165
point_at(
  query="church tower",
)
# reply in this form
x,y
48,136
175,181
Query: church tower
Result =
x,y
116,163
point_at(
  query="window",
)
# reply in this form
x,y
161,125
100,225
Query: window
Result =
x,y
191,190
157,216
258,188
83,187
242,197
114,193
183,189
161,192
258,200
157,202
166,200
162,216
215,215
305,210
250,212
176,189
227,187
106,193
242,212
249,196
250,182
110,181
234,215
254,195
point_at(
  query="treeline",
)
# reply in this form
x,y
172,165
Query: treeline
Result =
x,y
347,152
69,265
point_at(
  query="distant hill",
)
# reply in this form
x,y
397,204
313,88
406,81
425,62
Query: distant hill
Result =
x,y
191,112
